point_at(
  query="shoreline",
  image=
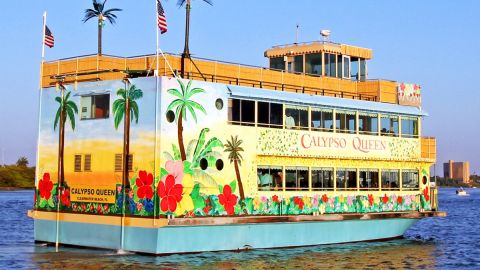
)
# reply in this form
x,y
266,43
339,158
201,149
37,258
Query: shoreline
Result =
x,y
15,188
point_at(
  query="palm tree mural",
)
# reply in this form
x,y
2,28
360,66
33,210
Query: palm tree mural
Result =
x,y
233,147
126,106
66,109
99,12
181,105
186,50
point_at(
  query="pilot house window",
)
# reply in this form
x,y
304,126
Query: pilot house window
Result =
x,y
95,107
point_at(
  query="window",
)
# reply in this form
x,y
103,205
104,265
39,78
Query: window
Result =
x,y
241,112
87,165
322,119
296,117
298,63
277,63
368,123
354,67
389,125
77,163
330,65
346,178
313,63
390,180
368,179
95,107
409,127
119,162
322,178
345,121
410,179
346,67
269,178
363,70
270,114
296,178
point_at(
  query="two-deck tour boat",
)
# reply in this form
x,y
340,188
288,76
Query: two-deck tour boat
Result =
x,y
308,151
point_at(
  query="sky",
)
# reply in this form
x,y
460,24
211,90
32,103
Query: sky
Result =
x,y
433,43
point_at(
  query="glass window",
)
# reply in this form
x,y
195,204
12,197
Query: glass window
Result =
x,y
270,114
390,180
346,67
345,121
296,117
410,179
339,66
296,178
269,177
241,112
368,179
322,178
95,107
363,70
354,67
330,65
298,63
277,63
368,123
313,63
389,125
322,119
346,179
409,127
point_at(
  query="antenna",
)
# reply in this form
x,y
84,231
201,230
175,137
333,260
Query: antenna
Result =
x,y
325,34
296,34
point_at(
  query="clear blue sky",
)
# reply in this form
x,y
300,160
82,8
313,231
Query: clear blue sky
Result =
x,y
433,43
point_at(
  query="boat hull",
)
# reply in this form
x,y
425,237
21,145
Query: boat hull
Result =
x,y
187,239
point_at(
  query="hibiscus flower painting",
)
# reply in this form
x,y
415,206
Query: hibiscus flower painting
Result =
x,y
169,193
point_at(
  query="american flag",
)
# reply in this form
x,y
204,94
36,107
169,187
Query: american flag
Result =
x,y
161,19
48,39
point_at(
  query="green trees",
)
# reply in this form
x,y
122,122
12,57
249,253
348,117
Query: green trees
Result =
x,y
66,109
181,105
126,107
233,148
99,12
22,162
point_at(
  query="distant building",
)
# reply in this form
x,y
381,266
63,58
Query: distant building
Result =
x,y
457,170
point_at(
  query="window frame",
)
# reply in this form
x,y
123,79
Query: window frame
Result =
x,y
92,103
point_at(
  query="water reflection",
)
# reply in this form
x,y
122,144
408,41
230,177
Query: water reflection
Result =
x,y
397,254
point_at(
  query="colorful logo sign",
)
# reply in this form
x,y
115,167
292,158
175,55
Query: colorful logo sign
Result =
x,y
95,194
409,94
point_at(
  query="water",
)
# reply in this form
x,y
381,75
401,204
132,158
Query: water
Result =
x,y
435,243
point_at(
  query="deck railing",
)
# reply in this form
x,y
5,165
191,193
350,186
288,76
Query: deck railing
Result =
x,y
217,71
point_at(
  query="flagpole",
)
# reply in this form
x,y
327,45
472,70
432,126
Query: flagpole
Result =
x,y
156,112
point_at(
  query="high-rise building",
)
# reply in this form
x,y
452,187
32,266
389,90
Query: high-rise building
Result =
x,y
457,170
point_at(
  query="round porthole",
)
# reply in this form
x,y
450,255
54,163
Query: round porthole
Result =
x,y
219,103
204,164
424,180
219,164
170,116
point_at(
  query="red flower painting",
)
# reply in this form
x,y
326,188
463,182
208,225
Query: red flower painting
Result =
x,y
45,186
370,199
169,193
385,199
425,194
65,197
324,198
399,200
275,199
299,202
144,183
228,200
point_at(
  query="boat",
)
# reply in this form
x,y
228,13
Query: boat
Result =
x,y
307,151
461,192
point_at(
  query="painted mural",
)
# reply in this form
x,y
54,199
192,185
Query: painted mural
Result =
x,y
186,162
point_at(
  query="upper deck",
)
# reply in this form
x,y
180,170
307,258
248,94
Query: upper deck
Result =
x,y
318,68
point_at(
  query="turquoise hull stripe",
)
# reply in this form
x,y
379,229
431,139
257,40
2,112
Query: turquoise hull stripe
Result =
x,y
181,239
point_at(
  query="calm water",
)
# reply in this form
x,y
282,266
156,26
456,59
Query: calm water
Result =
x,y
435,243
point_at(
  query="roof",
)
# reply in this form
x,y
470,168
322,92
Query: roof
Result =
x,y
324,101
318,47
